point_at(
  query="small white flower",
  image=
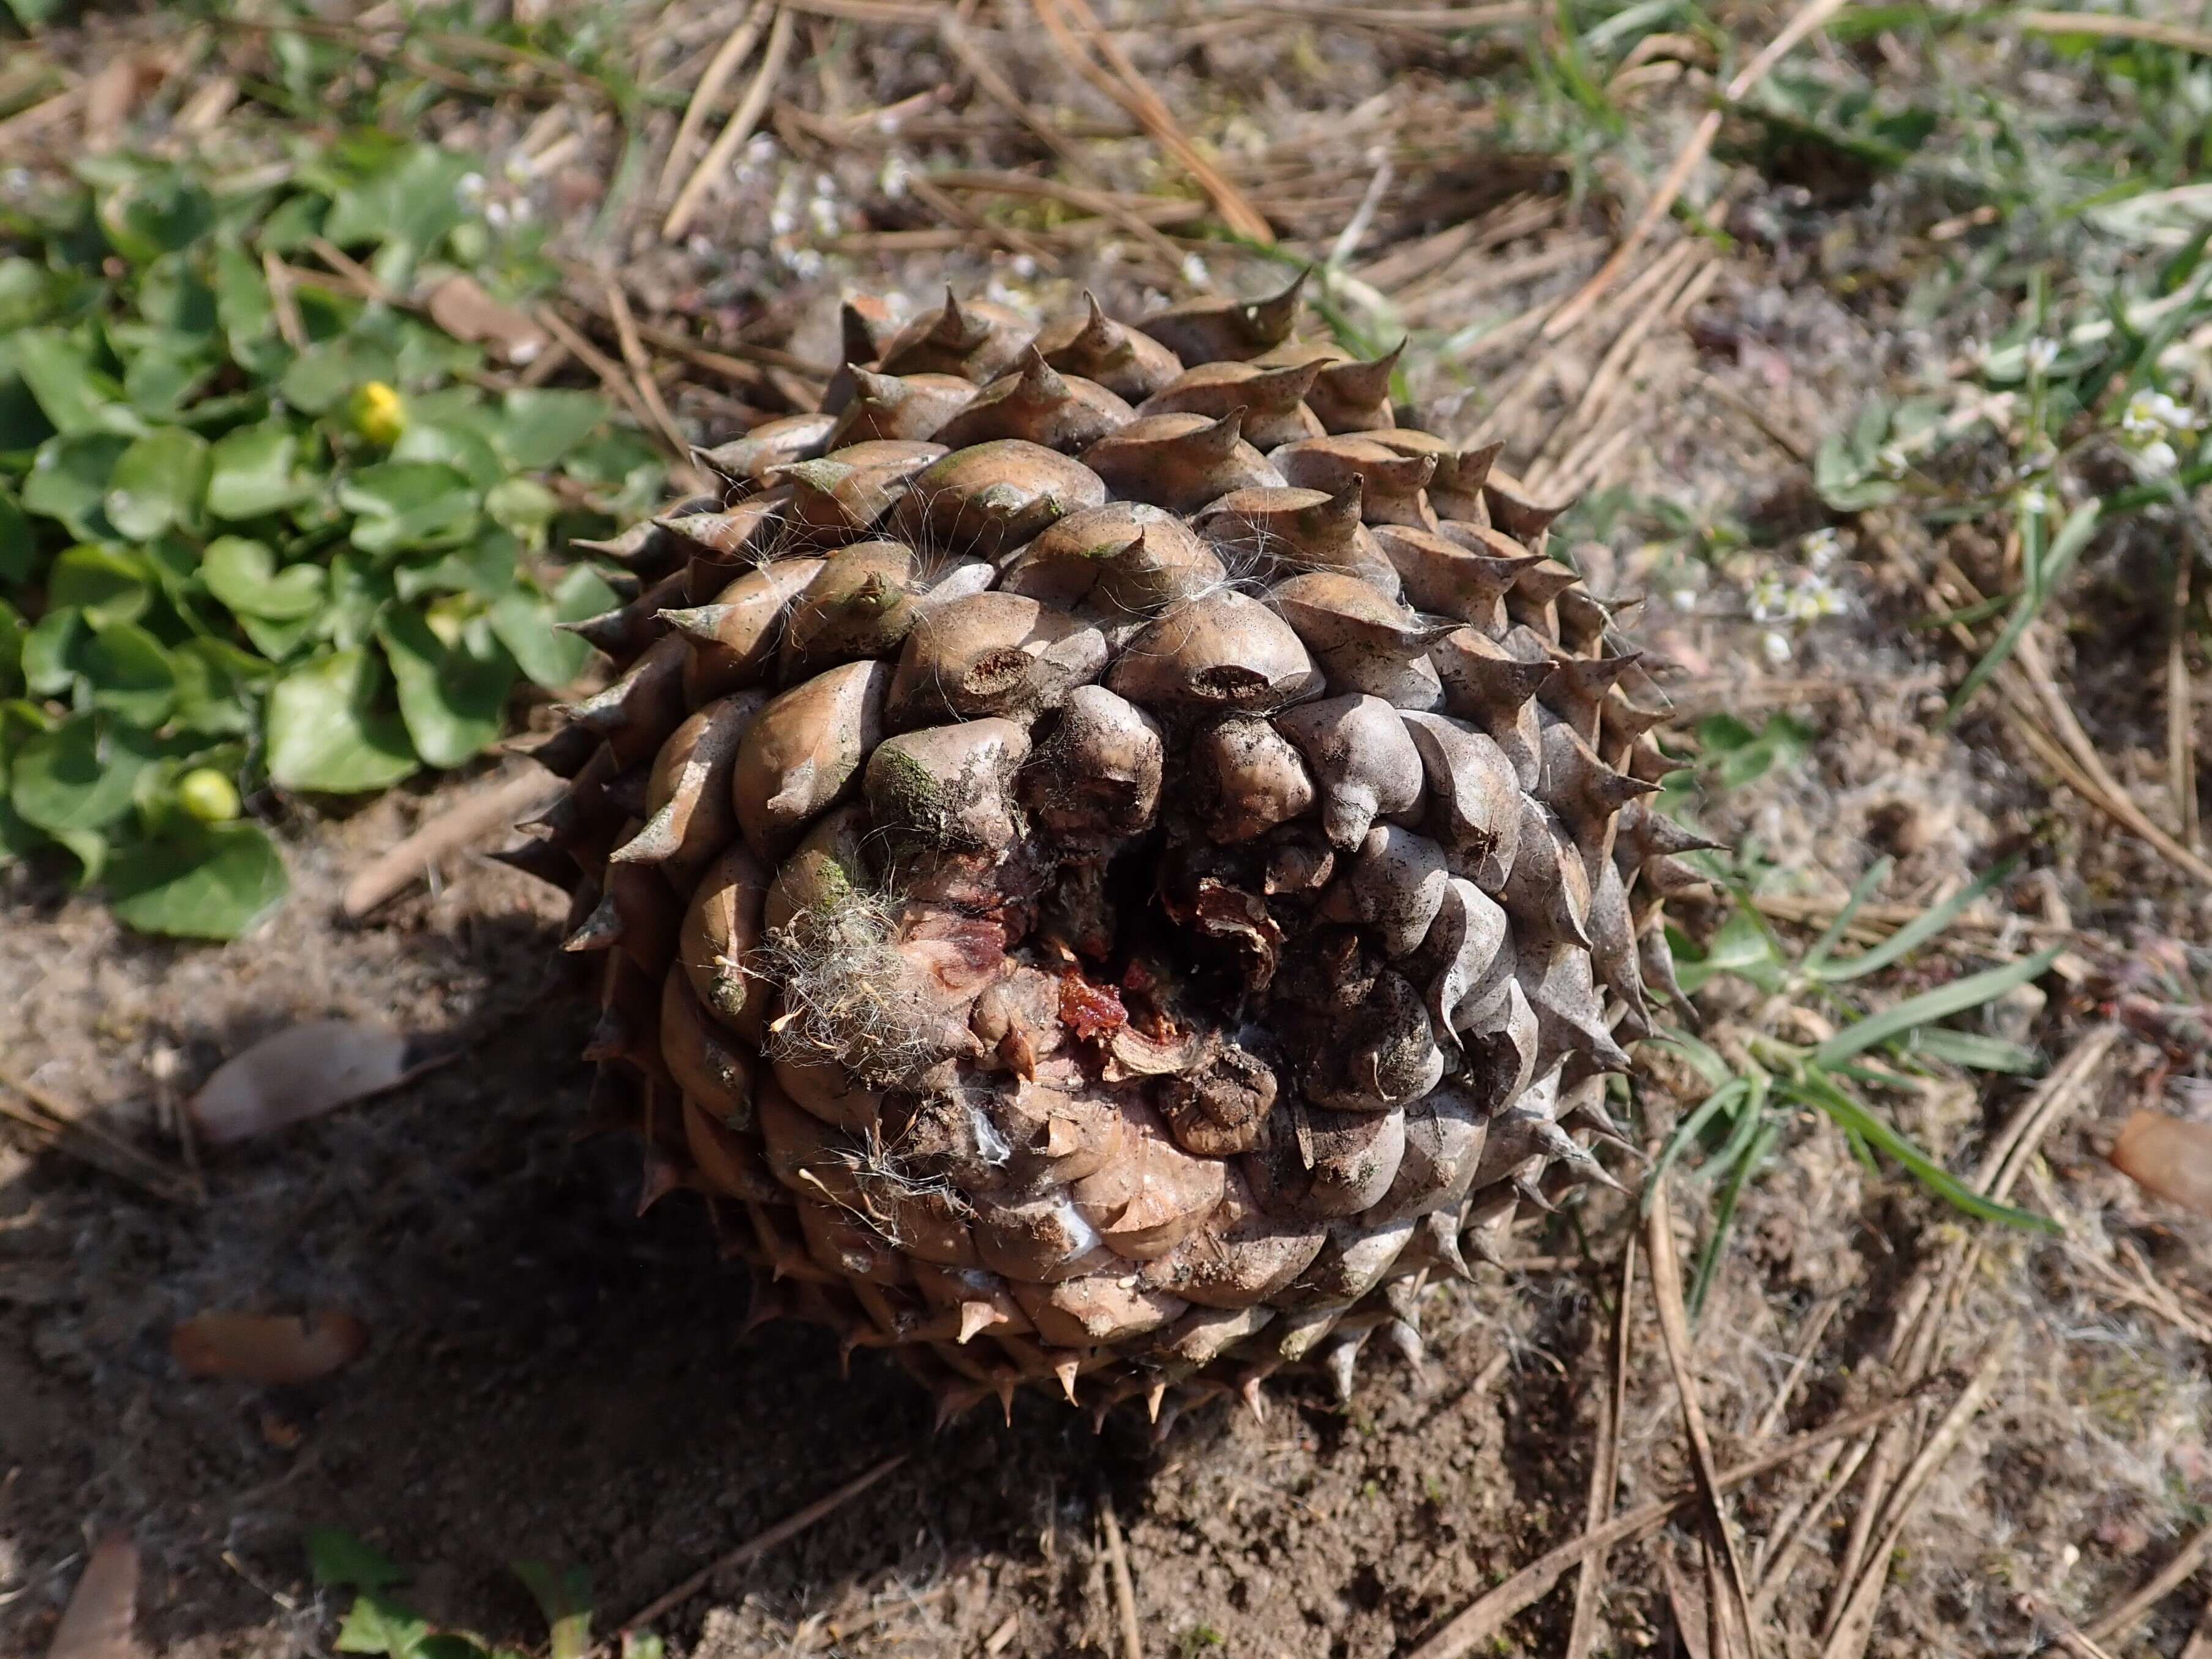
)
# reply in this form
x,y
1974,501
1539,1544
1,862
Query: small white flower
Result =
x,y
2141,418
1683,599
1776,645
2040,354
522,209
1769,597
517,169
893,179
700,246
1024,266
762,147
824,213
1193,270
494,214
469,189
2157,456
2034,499
1823,547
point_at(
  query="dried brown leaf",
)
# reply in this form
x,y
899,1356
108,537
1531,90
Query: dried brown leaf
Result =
x,y
300,1072
460,307
268,1347
97,1623
2169,1157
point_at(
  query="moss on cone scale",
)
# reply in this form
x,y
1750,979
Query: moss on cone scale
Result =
x,y
1108,872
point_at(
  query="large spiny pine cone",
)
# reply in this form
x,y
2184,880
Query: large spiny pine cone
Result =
x,y
1115,862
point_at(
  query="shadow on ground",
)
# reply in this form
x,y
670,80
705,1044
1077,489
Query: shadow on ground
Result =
x,y
549,1376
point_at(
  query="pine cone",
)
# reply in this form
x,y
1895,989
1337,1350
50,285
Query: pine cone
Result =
x,y
1114,861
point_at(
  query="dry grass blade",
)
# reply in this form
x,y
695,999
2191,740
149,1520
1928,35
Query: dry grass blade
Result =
x,y
2064,1638
63,1128
1125,1591
1728,1602
1809,18
2200,1639
2180,718
736,47
649,391
1852,1625
1771,1419
498,807
995,87
1605,1462
2113,28
735,131
1483,1619
2032,704
102,1609
2161,1584
790,1526
609,371
1793,1527
1120,80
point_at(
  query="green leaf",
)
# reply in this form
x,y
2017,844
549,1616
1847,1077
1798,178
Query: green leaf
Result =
x,y
174,295
335,1556
12,632
325,375
565,1599
71,393
1741,947
376,1624
129,674
1810,1087
68,479
523,506
457,442
14,541
242,304
539,425
157,212
483,566
199,881
1939,1004
1926,925
216,684
254,471
327,732
453,697
411,201
79,775
243,575
108,584
408,504
50,650
157,482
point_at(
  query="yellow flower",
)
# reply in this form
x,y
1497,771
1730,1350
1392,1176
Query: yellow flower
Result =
x,y
378,415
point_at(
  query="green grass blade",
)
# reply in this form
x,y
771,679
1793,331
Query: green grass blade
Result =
x,y
1709,1257
1914,934
1688,1129
1821,1093
1975,1052
1877,872
1749,1118
1941,1003
2072,537
1703,1058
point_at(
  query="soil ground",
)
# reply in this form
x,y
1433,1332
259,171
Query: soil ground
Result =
x,y
550,1376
